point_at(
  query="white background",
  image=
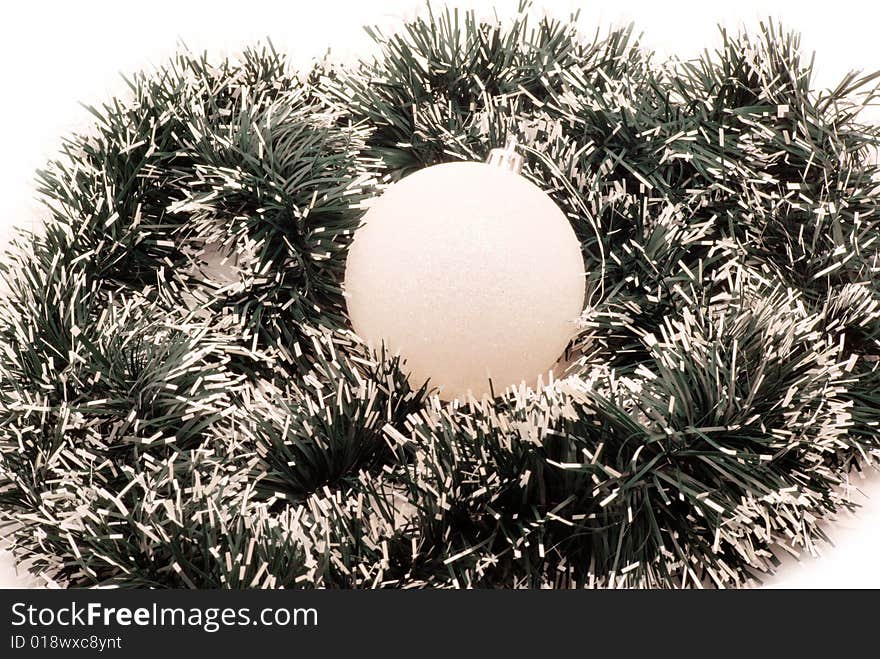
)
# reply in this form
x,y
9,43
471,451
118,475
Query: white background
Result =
x,y
54,55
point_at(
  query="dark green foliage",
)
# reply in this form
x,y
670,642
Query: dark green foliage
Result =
x,y
183,404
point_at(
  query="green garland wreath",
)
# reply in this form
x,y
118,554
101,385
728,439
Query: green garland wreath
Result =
x,y
183,404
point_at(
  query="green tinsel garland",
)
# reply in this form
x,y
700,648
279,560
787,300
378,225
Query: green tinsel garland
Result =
x,y
183,404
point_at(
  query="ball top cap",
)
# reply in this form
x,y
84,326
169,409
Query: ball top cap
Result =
x,y
507,158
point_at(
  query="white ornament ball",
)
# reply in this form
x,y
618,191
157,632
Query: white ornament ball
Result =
x,y
470,273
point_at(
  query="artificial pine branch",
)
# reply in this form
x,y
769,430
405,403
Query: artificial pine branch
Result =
x,y
183,403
